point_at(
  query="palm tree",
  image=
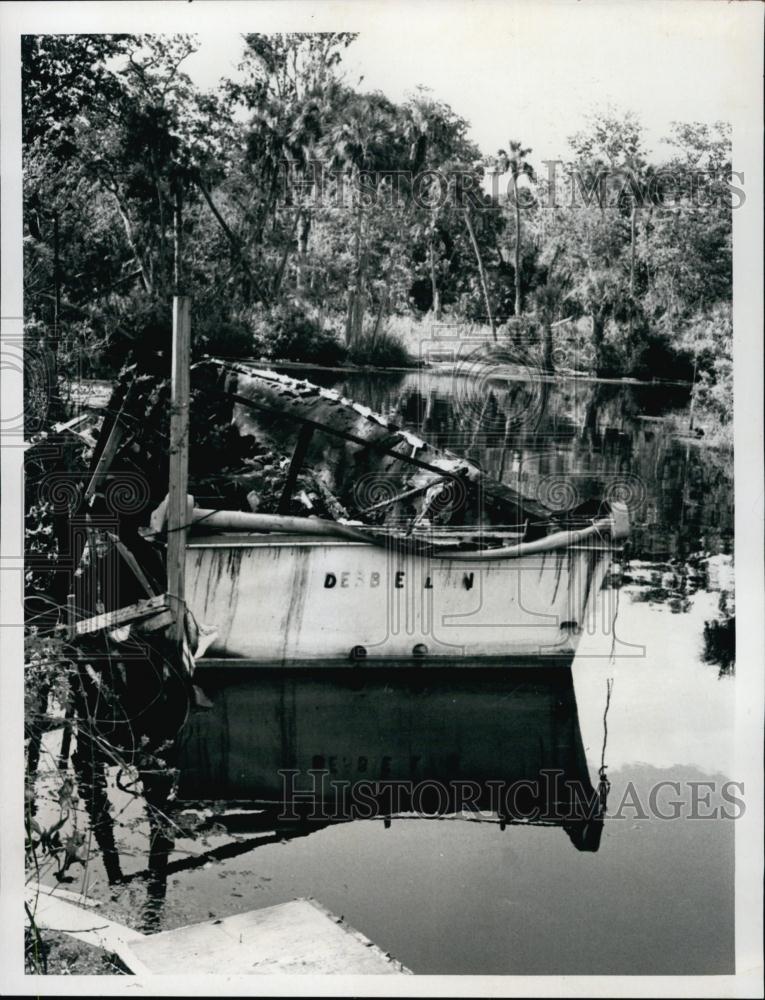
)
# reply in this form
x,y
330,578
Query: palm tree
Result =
x,y
515,161
358,143
548,299
285,133
481,270
311,119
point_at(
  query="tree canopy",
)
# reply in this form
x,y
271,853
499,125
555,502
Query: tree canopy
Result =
x,y
289,200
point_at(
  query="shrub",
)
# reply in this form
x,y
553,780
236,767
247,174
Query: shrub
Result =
x,y
224,339
714,391
384,351
709,338
654,354
286,332
139,329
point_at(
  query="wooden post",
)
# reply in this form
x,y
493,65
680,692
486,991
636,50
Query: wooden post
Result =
x,y
177,508
56,283
55,402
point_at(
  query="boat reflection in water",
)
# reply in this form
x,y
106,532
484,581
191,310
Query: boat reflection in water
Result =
x,y
309,750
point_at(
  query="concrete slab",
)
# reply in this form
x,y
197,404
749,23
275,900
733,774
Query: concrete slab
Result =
x,y
288,939
300,936
58,910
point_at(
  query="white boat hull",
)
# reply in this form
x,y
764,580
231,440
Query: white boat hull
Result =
x,y
286,599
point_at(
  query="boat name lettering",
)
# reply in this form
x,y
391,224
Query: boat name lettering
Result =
x,y
347,579
359,580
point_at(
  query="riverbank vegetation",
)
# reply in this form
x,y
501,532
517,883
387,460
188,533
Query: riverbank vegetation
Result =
x,y
313,221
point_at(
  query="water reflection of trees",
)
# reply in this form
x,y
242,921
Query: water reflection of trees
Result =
x,y
594,439
670,583
720,644
673,585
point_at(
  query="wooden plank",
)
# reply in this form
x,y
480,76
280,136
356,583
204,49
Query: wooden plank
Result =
x,y
71,616
299,937
130,559
122,616
403,496
156,622
106,457
298,456
177,508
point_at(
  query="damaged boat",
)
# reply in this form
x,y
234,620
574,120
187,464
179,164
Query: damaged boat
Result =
x,y
339,536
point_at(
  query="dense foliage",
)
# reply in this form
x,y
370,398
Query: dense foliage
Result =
x,y
309,219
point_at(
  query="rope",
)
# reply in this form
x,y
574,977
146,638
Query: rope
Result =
x,y
604,786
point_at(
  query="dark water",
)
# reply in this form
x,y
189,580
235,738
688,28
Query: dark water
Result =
x,y
638,731
569,441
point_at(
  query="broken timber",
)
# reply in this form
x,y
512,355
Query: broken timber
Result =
x,y
138,612
105,459
301,449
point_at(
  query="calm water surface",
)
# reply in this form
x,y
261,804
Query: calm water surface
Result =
x,y
629,892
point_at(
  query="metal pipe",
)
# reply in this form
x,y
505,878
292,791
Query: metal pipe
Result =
x,y
560,540
241,520
234,520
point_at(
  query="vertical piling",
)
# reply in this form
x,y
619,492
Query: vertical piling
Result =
x,y
177,508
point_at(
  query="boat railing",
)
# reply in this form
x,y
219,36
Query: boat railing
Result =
x,y
611,528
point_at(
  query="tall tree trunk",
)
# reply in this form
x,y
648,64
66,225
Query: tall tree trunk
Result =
x,y
355,321
349,317
359,307
54,410
56,282
162,223
633,227
145,271
435,291
380,314
384,300
266,207
234,241
646,252
303,228
281,270
598,336
481,274
518,297
547,351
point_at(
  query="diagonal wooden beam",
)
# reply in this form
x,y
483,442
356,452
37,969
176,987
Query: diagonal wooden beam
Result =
x,y
122,616
106,457
132,562
298,457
